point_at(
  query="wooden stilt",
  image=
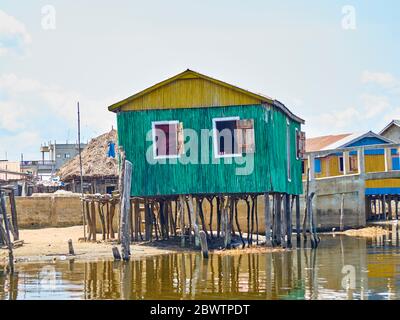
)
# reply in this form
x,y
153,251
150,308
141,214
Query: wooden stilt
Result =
x,y
278,216
267,219
203,242
288,222
298,238
93,212
210,200
384,207
194,222
125,204
182,219
284,220
237,223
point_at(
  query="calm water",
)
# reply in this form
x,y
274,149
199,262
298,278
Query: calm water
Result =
x,y
341,268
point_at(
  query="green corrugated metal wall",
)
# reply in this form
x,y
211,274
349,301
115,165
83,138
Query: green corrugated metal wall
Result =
x,y
269,174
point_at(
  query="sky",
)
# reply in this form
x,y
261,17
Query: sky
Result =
x,y
333,63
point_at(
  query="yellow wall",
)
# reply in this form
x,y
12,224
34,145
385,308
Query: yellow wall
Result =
x,y
187,93
383,183
330,166
375,163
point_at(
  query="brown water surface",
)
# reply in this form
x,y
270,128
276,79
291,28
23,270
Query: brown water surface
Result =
x,y
341,268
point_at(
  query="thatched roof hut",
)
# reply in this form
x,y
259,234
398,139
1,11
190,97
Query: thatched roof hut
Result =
x,y
95,162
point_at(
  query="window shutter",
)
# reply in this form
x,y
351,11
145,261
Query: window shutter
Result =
x,y
245,136
301,144
353,163
180,138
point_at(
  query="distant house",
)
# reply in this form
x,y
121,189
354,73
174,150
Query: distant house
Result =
x,y
332,165
392,131
152,123
100,167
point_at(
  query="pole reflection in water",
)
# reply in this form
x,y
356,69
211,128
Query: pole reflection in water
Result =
x,y
341,268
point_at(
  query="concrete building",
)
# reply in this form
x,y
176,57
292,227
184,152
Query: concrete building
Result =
x,y
54,156
392,131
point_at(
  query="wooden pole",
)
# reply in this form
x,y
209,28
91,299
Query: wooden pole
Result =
x,y
341,225
384,207
298,218
14,217
284,221
194,222
306,205
6,233
288,222
71,248
278,215
125,205
267,219
203,242
116,254
81,173
182,219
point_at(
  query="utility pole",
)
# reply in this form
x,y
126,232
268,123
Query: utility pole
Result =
x,y
81,172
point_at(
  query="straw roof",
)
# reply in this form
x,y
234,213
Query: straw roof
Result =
x,y
95,162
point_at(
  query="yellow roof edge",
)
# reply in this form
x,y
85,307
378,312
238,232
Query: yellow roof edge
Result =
x,y
114,107
180,75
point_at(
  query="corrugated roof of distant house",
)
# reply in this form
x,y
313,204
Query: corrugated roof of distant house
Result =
x,y
187,73
320,143
332,142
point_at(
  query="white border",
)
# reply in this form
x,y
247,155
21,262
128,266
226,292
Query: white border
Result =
x,y
153,132
215,141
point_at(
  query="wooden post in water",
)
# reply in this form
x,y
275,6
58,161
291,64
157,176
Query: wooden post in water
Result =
x,y
278,215
125,205
298,218
288,222
306,205
203,242
14,217
5,233
194,222
182,219
71,248
147,221
267,218
341,226
384,207
116,254
284,220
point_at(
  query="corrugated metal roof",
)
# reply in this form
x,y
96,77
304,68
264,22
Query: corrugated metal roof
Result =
x,y
321,143
339,141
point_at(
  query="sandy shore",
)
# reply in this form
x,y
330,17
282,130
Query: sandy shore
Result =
x,y
52,244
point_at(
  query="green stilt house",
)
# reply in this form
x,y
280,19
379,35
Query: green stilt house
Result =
x,y
192,134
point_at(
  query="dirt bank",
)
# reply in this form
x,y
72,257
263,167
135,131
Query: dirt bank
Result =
x,y
52,243
369,232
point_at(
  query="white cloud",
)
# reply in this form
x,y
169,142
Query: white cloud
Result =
x,y
29,106
13,35
374,105
383,79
